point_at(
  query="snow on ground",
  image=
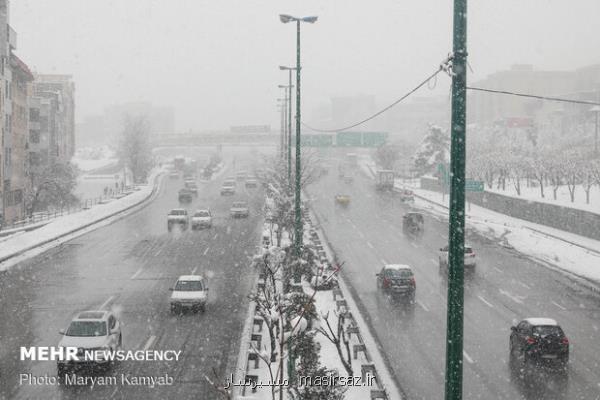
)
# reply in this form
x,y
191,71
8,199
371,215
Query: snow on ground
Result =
x,y
526,237
91,158
563,197
16,244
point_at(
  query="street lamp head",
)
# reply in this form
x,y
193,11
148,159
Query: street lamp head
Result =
x,y
282,86
284,68
310,20
286,18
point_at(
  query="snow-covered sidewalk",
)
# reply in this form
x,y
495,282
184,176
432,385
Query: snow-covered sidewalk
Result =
x,y
18,247
573,254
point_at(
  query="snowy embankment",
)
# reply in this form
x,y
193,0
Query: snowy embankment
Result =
x,y
564,251
369,376
19,247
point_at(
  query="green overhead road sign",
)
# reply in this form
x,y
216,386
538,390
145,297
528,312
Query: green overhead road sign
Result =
x,y
374,139
470,185
348,139
473,186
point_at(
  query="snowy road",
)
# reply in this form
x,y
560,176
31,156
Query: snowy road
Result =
x,y
505,286
128,267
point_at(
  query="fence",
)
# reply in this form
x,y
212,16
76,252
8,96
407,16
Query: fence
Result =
x,y
41,218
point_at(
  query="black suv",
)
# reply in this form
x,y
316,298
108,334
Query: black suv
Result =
x,y
397,281
539,341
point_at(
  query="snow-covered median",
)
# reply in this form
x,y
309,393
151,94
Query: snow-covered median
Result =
x,y
19,247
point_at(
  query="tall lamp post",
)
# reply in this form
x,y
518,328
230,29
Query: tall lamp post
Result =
x,y
596,110
281,107
289,119
298,206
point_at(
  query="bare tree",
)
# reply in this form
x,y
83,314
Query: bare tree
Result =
x,y
539,169
340,340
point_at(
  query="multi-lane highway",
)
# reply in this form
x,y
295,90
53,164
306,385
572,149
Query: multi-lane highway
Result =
x,y
128,267
506,286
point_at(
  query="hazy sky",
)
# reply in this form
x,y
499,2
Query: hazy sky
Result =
x,y
215,61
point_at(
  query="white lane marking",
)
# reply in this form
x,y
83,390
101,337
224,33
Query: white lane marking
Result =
x,y
103,305
360,234
194,270
423,306
485,301
384,262
158,252
206,251
499,270
370,245
524,285
468,358
443,236
559,306
139,271
228,230
435,262
216,235
511,296
149,342
414,245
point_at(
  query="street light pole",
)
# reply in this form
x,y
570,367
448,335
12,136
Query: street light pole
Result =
x,y
596,110
289,120
455,310
297,204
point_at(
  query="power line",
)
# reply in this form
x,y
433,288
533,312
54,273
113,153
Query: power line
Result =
x,y
533,96
430,77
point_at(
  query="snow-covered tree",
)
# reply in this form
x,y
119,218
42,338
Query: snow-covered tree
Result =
x,y
135,150
52,187
386,156
433,150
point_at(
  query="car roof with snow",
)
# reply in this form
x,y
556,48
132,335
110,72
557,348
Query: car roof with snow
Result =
x,y
190,278
398,267
93,314
541,321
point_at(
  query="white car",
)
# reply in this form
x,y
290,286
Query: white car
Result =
x,y
470,259
190,291
202,219
90,330
239,209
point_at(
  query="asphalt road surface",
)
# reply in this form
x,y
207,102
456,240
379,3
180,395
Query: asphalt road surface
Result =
x,y
505,286
128,267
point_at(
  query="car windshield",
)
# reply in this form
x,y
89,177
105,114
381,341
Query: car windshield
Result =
x,y
177,212
188,286
87,328
201,214
547,330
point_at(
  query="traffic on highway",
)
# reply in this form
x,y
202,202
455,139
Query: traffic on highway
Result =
x,y
300,200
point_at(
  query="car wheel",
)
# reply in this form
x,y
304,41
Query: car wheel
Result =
x,y
61,371
173,309
203,308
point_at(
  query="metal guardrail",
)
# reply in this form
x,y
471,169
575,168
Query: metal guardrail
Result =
x,y
40,218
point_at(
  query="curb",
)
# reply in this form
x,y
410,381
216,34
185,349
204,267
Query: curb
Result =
x,y
147,200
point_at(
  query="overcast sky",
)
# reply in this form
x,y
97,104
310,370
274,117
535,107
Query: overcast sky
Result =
x,y
215,61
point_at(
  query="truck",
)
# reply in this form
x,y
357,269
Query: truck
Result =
x,y
385,179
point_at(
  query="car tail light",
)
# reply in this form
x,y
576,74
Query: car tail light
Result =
x,y
565,340
386,282
531,340
413,281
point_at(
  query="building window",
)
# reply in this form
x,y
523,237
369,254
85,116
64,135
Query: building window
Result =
x,y
34,114
34,136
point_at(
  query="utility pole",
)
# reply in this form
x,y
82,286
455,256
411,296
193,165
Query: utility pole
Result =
x,y
298,204
596,110
454,333
289,138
